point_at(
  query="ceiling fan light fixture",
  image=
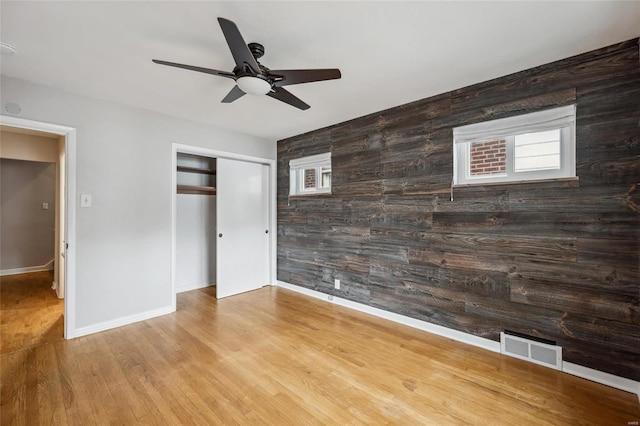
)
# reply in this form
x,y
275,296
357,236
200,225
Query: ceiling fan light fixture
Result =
x,y
253,85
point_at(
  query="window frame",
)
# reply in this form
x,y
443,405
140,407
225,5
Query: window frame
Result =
x,y
297,169
562,118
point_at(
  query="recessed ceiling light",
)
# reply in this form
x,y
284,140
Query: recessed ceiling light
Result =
x,y
7,49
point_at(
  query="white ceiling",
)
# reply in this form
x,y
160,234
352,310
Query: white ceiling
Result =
x,y
390,53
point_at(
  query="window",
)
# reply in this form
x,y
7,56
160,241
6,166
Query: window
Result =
x,y
539,145
310,175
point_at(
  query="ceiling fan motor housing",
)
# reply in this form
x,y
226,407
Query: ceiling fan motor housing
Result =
x,y
257,50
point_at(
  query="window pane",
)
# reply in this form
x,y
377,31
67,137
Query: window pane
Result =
x,y
488,158
309,178
537,151
326,178
310,175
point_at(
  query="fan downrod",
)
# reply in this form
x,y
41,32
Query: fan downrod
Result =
x,y
257,50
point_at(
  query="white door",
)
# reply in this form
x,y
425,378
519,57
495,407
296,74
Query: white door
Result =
x,y
61,240
242,255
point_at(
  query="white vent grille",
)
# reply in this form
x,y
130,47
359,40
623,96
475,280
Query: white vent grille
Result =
x,y
532,351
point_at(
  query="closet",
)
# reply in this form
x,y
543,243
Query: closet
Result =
x,y
195,222
222,223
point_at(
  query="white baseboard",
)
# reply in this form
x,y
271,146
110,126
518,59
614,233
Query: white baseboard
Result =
x,y
119,322
602,377
456,335
617,382
40,268
183,288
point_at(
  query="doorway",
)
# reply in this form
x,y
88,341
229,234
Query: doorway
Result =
x,y
62,143
239,247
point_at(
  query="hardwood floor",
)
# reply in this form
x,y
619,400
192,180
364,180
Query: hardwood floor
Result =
x,y
275,357
30,311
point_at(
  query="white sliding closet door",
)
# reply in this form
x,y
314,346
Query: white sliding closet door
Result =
x,y
242,253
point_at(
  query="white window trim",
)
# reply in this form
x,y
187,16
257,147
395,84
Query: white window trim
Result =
x,y
505,128
296,174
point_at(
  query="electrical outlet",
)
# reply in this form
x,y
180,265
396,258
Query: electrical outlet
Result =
x,y
337,284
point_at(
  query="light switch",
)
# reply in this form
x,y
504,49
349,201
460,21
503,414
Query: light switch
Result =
x,y
85,200
45,206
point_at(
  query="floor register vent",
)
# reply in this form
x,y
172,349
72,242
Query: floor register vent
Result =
x,y
532,349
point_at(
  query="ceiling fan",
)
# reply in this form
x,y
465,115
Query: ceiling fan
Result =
x,y
254,78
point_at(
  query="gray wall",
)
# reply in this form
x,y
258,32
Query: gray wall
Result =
x,y
27,230
124,154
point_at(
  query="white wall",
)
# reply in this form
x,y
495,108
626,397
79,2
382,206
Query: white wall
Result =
x,y
28,238
195,241
123,265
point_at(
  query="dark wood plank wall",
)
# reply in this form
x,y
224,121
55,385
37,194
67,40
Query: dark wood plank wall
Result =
x,y
559,260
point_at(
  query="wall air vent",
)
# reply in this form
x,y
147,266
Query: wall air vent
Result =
x,y
532,349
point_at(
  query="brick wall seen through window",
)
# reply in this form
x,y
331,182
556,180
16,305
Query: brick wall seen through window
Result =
x,y
309,178
488,157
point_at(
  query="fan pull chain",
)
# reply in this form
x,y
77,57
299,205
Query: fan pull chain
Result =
x,y
451,189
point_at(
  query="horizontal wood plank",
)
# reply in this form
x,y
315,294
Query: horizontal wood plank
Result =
x,y
556,258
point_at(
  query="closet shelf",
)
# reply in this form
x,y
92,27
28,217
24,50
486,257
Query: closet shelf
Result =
x,y
196,170
196,189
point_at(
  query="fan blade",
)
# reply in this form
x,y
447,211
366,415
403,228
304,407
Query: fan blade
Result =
x,y
239,49
288,98
234,94
303,76
198,69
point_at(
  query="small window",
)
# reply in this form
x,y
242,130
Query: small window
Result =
x,y
540,145
310,175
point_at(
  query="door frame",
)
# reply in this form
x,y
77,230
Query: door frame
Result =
x,y
213,153
69,134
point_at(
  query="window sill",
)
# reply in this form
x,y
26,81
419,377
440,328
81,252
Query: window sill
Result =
x,y
563,182
311,194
